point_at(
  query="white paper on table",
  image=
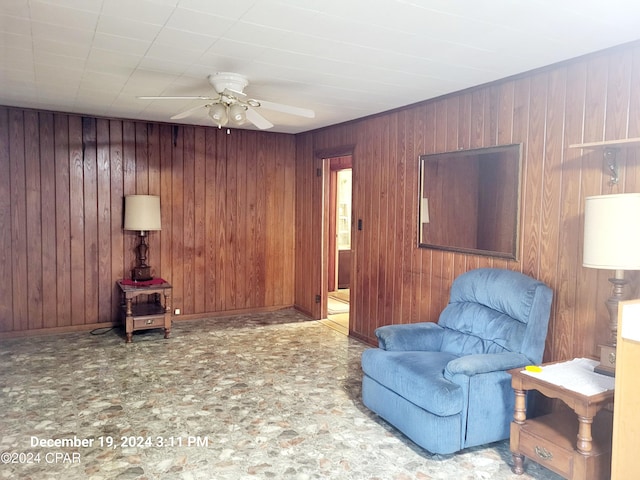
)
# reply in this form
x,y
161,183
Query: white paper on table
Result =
x,y
576,375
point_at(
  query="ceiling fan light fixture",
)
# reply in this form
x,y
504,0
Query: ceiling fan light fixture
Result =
x,y
218,113
230,103
233,82
238,113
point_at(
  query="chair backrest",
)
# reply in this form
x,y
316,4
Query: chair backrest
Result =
x,y
493,310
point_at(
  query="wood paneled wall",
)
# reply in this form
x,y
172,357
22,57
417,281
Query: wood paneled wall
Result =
x,y
236,207
593,98
227,202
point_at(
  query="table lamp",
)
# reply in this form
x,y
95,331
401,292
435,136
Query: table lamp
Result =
x,y
612,242
142,214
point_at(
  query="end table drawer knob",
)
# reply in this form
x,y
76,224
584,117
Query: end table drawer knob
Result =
x,y
543,453
149,321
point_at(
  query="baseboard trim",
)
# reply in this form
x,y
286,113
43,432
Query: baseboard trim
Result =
x,y
228,313
58,330
363,338
174,318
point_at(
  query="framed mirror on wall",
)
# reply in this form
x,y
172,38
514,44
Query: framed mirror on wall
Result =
x,y
469,201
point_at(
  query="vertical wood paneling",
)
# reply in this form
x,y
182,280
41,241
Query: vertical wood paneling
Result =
x,y
129,188
285,244
155,188
590,295
506,109
140,150
166,209
76,214
103,231
387,208
20,320
552,181
534,168
200,221
33,220
394,216
632,173
250,277
188,215
63,200
177,232
424,140
116,177
400,213
48,206
307,282
210,271
63,220
569,257
289,212
243,221
231,288
6,287
90,201
220,254
587,99
375,226
267,206
153,151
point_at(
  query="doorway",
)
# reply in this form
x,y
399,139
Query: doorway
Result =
x,y
339,251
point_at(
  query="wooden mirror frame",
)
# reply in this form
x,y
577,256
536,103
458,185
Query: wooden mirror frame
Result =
x,y
469,201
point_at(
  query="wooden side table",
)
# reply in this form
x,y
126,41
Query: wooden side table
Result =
x,y
154,311
577,447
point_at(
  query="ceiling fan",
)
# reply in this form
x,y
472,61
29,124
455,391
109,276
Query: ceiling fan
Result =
x,y
231,104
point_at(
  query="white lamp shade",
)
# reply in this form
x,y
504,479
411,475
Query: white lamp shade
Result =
x,y
237,113
612,232
142,212
218,113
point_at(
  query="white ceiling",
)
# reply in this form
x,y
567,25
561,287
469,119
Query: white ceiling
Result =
x,y
345,59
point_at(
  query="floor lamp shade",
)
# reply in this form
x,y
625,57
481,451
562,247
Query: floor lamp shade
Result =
x,y
612,232
142,212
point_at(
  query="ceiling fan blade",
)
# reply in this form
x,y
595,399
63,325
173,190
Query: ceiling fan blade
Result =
x,y
279,107
257,119
234,93
176,98
186,113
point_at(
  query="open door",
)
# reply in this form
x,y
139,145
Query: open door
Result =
x,y
339,251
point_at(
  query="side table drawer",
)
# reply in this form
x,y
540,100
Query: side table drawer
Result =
x,y
148,322
548,441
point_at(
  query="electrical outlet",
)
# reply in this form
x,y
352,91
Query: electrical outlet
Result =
x,y
176,311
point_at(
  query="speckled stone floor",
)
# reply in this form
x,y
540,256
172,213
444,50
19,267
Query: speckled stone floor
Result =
x,y
265,396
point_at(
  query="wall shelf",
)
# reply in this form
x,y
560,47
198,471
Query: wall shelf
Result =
x,y
625,142
610,150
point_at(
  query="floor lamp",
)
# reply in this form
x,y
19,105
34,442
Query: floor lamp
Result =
x,y
612,242
142,214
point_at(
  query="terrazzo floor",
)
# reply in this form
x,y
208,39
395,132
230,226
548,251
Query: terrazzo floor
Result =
x,y
264,396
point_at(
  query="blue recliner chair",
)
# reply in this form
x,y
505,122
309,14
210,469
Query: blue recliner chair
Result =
x,y
445,385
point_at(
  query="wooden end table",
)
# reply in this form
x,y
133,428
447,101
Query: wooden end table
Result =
x,y
575,448
154,311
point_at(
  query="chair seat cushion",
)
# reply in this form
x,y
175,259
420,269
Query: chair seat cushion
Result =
x,y
417,377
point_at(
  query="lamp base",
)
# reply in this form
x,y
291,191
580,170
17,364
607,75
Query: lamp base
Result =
x,y
607,361
141,274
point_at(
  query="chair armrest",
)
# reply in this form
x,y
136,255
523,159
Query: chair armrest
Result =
x,y
470,365
425,336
